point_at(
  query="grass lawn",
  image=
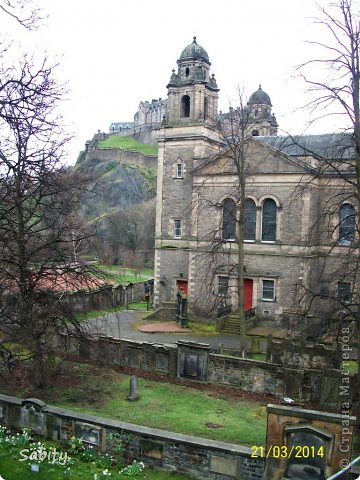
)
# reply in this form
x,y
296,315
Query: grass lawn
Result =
x,y
126,275
103,391
128,143
207,330
12,469
180,409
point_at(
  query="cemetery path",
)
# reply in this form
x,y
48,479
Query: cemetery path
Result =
x,y
124,324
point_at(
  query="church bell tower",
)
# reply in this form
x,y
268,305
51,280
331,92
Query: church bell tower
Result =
x,y
186,139
192,92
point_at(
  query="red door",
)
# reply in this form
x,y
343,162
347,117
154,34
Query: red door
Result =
x,y
248,294
182,284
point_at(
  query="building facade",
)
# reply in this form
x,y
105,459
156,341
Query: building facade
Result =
x,y
299,223
150,114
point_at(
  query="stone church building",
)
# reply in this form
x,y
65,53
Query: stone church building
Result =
x,y
299,221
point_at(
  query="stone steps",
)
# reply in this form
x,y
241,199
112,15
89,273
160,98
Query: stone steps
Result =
x,y
231,324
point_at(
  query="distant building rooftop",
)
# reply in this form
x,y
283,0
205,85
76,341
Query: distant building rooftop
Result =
x,y
119,126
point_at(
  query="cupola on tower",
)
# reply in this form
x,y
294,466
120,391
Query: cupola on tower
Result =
x,y
192,91
263,121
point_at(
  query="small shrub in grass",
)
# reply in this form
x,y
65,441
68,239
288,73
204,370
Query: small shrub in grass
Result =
x,y
115,443
104,474
16,440
134,469
88,454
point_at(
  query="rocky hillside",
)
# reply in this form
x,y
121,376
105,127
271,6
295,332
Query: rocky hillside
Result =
x,y
123,182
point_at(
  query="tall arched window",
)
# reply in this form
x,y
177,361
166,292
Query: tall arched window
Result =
x,y
268,221
229,219
185,106
250,220
206,108
346,224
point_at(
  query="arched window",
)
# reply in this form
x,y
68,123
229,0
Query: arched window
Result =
x,y
255,133
185,106
229,219
206,107
269,221
346,224
187,72
250,220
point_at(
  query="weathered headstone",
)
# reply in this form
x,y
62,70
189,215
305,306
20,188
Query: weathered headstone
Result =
x,y
134,389
269,349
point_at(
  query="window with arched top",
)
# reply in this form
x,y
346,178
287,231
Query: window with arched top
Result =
x,y
249,220
255,133
346,224
187,71
185,106
268,231
228,219
206,108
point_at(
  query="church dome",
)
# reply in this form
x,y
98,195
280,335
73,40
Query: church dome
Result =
x,y
259,97
194,51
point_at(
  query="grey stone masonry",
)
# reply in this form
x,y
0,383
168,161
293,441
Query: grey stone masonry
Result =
x,y
197,457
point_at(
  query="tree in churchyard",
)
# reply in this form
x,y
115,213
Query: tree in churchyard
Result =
x,y
24,12
39,229
132,229
227,239
338,94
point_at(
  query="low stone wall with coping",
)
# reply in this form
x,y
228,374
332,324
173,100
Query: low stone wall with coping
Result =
x,y
197,457
195,361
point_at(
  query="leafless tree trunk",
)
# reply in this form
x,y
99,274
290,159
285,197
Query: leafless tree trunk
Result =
x,y
227,247
38,203
341,90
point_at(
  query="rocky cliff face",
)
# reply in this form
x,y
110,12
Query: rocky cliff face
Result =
x,y
120,181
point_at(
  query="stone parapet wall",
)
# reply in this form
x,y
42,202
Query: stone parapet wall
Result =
x,y
126,157
194,361
105,297
197,457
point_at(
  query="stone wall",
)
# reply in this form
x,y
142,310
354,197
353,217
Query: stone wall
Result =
x,y
299,444
195,361
317,444
300,353
105,297
126,157
197,457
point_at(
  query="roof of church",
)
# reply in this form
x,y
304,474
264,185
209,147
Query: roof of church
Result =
x,y
194,51
327,145
259,97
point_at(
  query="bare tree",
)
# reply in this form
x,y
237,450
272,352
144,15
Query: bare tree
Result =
x,y
339,94
23,12
38,221
226,239
132,229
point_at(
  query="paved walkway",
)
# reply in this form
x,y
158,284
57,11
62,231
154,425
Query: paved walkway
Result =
x,y
128,324
163,327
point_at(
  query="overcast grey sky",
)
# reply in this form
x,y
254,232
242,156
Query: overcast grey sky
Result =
x,y
114,53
